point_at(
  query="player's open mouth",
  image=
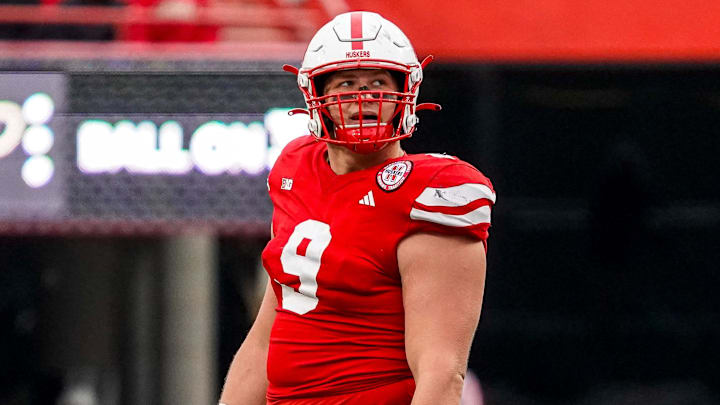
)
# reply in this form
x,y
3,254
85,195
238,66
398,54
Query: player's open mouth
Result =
x,y
367,118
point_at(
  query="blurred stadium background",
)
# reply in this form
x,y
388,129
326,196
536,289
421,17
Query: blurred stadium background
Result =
x,y
129,271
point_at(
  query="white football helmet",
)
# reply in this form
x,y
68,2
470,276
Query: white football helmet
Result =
x,y
361,40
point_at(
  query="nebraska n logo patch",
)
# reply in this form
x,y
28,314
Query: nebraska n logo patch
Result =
x,y
393,175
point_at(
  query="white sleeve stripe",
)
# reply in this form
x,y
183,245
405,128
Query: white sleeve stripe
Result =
x,y
455,196
478,216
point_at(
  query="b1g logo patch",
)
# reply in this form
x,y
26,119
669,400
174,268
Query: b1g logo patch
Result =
x,y
393,175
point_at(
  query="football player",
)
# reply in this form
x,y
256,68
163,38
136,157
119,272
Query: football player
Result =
x,y
377,261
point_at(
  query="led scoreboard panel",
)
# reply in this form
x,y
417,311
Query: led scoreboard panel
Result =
x,y
88,153
32,144
178,167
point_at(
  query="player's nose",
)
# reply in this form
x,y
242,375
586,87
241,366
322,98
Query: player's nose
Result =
x,y
365,87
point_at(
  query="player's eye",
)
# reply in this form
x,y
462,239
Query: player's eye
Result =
x,y
342,85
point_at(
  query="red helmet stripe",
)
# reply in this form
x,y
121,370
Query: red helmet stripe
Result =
x,y
356,30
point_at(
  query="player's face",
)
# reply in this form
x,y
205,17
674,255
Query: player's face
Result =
x,y
372,80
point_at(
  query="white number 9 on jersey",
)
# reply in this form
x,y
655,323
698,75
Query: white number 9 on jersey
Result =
x,y
315,237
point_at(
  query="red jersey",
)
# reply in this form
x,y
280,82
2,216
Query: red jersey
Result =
x,y
339,326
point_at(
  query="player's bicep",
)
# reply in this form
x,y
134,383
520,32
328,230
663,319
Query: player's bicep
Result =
x,y
443,279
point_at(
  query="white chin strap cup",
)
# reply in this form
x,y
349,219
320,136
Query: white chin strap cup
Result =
x,y
410,121
314,127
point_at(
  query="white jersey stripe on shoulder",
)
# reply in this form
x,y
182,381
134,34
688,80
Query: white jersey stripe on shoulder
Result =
x,y
455,196
478,216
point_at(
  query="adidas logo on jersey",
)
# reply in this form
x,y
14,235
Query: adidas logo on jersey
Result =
x,y
368,199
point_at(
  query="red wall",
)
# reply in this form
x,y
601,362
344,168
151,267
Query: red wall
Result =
x,y
557,30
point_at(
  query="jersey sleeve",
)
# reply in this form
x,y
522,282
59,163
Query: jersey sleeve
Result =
x,y
458,200
287,161
282,174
